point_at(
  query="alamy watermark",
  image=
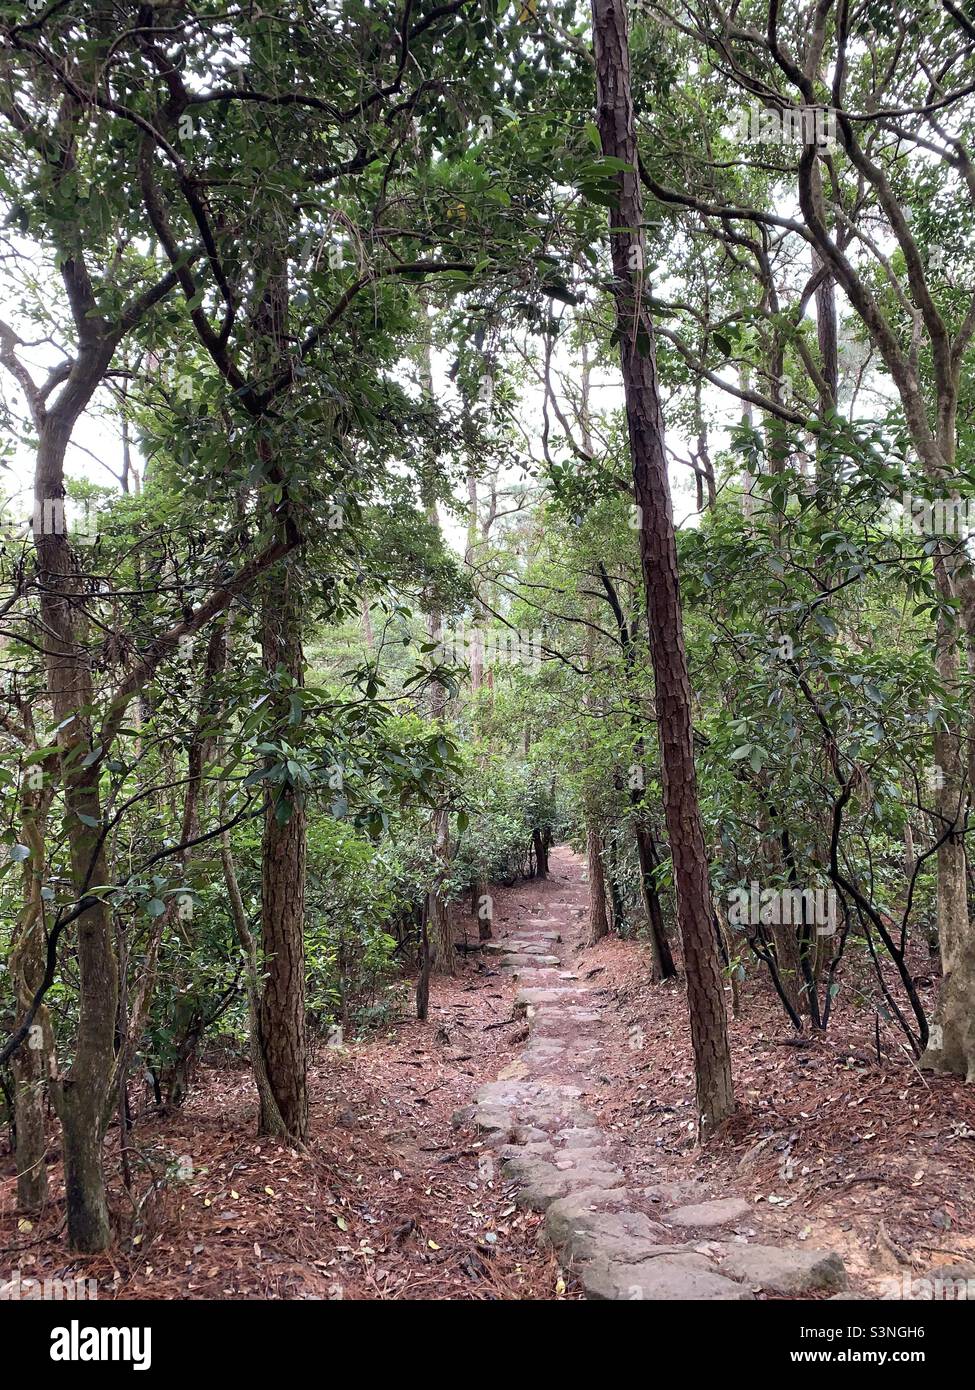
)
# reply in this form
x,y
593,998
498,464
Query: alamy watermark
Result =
x,y
938,516
55,516
19,1288
773,907
463,645
792,125
934,1286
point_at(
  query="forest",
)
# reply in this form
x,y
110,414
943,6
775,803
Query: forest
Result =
x,y
487,652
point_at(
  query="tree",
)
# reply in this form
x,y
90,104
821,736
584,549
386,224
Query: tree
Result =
x,y
658,551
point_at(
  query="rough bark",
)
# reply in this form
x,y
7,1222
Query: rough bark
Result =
x,y
282,1007
81,1096
598,920
826,333
709,1030
281,1013
540,843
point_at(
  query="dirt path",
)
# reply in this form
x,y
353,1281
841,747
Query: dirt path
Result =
x,y
664,1241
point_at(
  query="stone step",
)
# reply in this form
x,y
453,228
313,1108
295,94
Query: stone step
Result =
x,y
519,960
702,1216
531,998
517,946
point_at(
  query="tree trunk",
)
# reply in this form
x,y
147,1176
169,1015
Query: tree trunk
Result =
x,y
709,1026
541,853
82,1095
89,1228
787,949
282,1008
617,906
439,929
470,554
598,921
663,967
748,423
423,978
268,1102
438,936
281,1015
951,1044
31,1064
826,333
30,1085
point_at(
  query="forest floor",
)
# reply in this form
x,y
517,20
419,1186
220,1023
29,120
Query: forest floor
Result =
x,y
833,1145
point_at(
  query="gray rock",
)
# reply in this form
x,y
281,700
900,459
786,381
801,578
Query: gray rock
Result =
x,y
541,1183
662,1277
532,998
595,1198
523,961
674,1194
622,1237
519,947
580,1137
792,1271
723,1211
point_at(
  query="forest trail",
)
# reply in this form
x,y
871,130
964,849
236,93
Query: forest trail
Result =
x,y
660,1242
579,1140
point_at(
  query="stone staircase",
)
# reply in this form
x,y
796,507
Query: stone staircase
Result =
x,y
661,1242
